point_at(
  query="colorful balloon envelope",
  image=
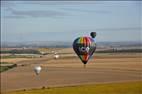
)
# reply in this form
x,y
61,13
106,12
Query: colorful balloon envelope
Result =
x,y
84,47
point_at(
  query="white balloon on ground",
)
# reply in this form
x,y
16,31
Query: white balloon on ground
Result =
x,y
37,69
56,56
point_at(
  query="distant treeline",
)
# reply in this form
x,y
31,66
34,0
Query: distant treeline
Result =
x,y
32,51
121,51
24,51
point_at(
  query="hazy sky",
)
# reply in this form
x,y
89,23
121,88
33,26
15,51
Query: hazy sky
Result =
x,y
66,20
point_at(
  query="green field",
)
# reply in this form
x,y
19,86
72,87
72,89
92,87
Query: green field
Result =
x,y
113,88
5,68
15,56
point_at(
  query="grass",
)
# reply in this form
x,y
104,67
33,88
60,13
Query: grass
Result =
x,y
5,68
22,51
4,63
113,88
15,56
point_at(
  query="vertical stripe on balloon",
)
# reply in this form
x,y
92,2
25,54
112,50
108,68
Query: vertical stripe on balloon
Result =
x,y
80,39
81,56
89,41
84,42
85,57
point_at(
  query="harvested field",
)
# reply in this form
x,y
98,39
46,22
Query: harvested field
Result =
x,y
68,70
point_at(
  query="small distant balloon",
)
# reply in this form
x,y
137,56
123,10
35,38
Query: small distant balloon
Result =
x,y
84,47
56,56
37,70
93,34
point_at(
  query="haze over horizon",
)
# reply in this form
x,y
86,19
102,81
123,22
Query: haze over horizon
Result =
x,y
113,21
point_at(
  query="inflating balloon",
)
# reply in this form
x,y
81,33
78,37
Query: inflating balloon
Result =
x,y
84,47
37,70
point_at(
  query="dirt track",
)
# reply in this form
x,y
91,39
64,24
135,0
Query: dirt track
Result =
x,y
68,70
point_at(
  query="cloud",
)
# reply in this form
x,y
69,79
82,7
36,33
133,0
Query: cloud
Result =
x,y
119,29
56,2
76,3
7,4
17,17
87,11
33,13
111,29
11,11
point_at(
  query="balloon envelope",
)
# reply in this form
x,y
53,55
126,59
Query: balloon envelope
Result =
x,y
84,47
56,56
93,34
37,69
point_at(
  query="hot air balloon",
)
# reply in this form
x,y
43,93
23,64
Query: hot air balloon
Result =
x,y
93,34
37,69
84,47
56,56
